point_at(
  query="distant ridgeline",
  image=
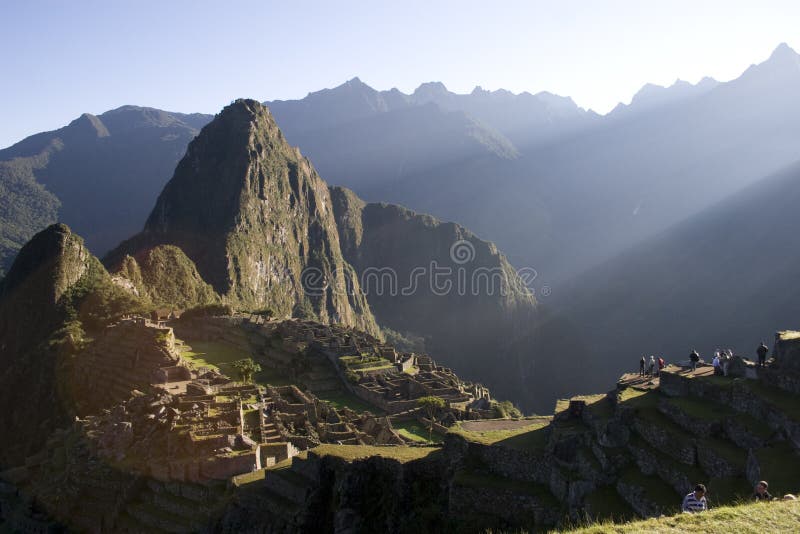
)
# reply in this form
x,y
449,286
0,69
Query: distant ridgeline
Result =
x,y
140,423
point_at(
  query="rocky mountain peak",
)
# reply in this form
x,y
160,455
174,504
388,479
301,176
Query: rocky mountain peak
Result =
x,y
255,217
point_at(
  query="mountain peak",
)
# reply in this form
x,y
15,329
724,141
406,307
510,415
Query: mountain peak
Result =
x,y
783,51
431,89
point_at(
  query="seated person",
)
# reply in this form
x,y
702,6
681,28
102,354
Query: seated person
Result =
x,y
761,493
695,501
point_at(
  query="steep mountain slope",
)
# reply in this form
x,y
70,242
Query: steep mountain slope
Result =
x,y
438,280
724,278
99,174
254,216
54,289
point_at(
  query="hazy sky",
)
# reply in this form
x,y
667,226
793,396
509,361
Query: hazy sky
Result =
x,y
59,59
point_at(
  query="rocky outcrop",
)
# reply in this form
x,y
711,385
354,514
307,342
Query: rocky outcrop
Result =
x,y
166,277
256,219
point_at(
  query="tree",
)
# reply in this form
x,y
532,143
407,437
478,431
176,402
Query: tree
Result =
x,y
246,368
430,405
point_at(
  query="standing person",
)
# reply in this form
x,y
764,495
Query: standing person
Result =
x,y
641,366
661,365
762,351
695,501
726,362
761,494
694,357
652,365
717,365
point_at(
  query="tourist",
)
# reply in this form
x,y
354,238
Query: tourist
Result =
x,y
661,365
789,497
641,366
717,364
694,357
695,501
652,365
762,351
761,494
726,363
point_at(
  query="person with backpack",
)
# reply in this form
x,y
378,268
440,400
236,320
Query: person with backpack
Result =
x,y
661,365
762,351
641,366
694,357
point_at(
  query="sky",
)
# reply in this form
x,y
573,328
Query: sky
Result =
x,y
59,59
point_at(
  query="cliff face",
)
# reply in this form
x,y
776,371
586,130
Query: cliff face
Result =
x,y
255,217
440,281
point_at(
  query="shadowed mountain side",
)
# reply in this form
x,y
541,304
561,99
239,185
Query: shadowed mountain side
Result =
x,y
99,174
725,278
438,280
53,283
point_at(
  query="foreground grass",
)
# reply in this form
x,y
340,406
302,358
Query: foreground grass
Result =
x,y
755,518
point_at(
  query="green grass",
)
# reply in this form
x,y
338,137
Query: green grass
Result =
x,y
532,437
219,355
416,432
607,505
655,489
701,408
342,399
360,452
483,481
780,466
215,355
752,518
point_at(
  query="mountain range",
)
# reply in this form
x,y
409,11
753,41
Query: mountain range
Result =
x,y
563,191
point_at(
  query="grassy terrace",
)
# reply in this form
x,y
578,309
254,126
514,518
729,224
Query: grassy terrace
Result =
x,y
415,431
742,519
365,363
483,481
532,437
360,452
341,399
218,355
656,489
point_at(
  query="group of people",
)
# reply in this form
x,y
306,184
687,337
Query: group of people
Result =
x,y
722,359
651,368
696,500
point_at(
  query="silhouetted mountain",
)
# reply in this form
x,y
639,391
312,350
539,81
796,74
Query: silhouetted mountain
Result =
x,y
99,174
724,278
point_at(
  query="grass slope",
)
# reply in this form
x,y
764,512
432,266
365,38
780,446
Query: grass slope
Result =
x,y
745,518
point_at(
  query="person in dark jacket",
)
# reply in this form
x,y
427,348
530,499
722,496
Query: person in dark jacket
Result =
x,y
761,493
694,357
762,351
641,366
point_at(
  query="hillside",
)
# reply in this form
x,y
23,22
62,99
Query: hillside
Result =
x,y
99,174
721,279
745,518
